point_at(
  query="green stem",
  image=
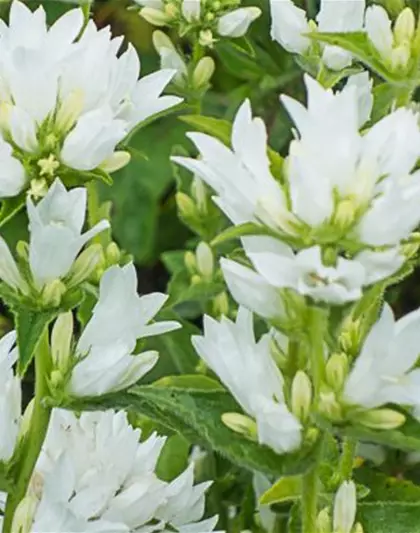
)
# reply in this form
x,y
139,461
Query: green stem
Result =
x,y
310,501
317,327
347,458
36,434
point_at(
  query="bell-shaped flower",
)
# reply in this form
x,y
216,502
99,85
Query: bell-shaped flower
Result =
x,y
55,226
236,22
10,398
120,318
385,372
278,267
51,101
96,472
290,24
247,369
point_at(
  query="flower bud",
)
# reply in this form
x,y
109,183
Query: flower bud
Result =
x,y
301,397
345,508
400,56
196,279
205,260
38,188
25,423
155,16
22,250
161,40
206,38
199,193
190,262
61,338
336,370
56,380
203,72
113,254
358,528
329,406
381,419
350,336
221,304
405,26
241,424
118,160
85,265
323,522
24,515
185,205
53,292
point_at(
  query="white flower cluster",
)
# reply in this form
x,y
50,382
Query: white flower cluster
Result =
x,y
59,111
358,198
290,28
221,17
94,474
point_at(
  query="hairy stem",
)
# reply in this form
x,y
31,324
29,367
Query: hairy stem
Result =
x,y
35,437
347,458
310,501
317,327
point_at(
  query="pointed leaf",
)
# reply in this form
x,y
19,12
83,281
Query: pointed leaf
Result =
x,y
29,328
5,482
286,489
11,207
193,381
242,230
197,416
358,43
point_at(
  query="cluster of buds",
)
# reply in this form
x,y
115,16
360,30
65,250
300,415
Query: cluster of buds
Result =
x,y
204,18
194,77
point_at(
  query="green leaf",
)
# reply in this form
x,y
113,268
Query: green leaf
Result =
x,y
202,411
359,45
192,381
406,438
239,62
385,488
286,489
173,459
29,328
389,517
197,416
10,207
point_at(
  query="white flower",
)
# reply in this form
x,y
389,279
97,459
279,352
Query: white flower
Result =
x,y
251,290
246,190
345,508
340,16
278,267
169,57
393,44
237,22
120,318
96,474
184,504
249,372
290,24
191,9
51,101
10,398
384,371
55,226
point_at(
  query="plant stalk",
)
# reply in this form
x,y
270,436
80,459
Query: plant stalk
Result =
x,y
37,432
